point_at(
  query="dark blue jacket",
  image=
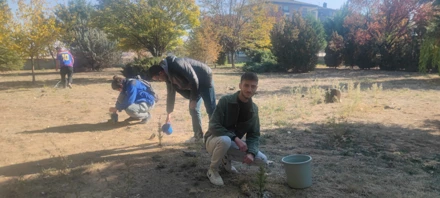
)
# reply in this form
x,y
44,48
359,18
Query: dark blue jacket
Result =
x,y
134,92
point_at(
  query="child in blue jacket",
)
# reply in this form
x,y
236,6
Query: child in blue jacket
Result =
x,y
135,98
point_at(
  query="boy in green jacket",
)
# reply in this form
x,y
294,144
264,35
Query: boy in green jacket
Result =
x,y
235,116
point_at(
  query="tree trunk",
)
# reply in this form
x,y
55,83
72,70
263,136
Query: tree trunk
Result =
x,y
38,63
154,52
138,53
233,59
33,70
53,57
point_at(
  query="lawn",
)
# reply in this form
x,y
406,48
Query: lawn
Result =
x,y
382,140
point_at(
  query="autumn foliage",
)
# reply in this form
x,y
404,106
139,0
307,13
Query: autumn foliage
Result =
x,y
388,30
203,43
334,51
9,52
36,29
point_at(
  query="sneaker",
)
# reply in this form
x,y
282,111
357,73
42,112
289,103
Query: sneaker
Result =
x,y
129,119
199,136
193,140
145,120
214,177
228,165
69,85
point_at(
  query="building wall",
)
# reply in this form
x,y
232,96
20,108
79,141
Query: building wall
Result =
x,y
287,9
50,64
39,64
325,13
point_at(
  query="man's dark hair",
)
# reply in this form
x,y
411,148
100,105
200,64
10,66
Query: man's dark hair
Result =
x,y
117,82
249,76
154,70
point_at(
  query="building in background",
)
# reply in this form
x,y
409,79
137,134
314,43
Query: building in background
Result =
x,y
288,7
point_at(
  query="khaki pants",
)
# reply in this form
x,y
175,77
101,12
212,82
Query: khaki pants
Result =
x,y
220,146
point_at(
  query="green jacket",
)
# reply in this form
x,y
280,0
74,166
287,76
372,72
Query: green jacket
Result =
x,y
223,122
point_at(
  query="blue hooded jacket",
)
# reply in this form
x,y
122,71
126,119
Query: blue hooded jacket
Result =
x,y
134,91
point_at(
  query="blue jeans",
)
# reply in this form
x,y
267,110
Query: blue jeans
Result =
x,y
208,96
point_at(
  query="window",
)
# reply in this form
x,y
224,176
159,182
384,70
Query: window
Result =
x,y
304,12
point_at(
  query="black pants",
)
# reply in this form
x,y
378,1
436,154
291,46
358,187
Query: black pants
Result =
x,y
66,70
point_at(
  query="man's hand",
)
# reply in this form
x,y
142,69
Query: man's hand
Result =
x,y
241,145
168,118
192,104
112,109
248,159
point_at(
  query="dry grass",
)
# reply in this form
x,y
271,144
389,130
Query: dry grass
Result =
x,y
381,141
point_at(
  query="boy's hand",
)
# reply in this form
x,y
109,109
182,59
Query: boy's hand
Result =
x,y
248,159
192,104
168,118
241,145
112,109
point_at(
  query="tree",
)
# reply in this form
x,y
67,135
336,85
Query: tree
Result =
x,y
337,24
295,44
203,43
241,23
388,24
430,48
262,21
334,51
93,46
35,30
156,25
9,57
77,14
318,27
88,43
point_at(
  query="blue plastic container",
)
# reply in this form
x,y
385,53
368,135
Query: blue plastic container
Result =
x,y
167,129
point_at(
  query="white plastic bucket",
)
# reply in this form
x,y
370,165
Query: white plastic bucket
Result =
x,y
298,170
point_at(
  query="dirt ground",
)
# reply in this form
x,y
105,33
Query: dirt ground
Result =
x,y
382,140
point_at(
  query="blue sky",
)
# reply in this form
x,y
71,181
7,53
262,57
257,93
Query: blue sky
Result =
x,y
335,4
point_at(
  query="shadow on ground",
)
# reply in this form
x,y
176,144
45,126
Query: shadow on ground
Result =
x,y
329,73
378,154
76,128
124,174
433,123
28,74
342,153
10,85
411,84
73,161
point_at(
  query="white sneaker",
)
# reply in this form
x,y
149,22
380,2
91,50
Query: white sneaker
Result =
x,y
214,177
228,165
194,140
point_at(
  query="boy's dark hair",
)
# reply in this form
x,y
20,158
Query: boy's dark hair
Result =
x,y
154,70
249,76
118,82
